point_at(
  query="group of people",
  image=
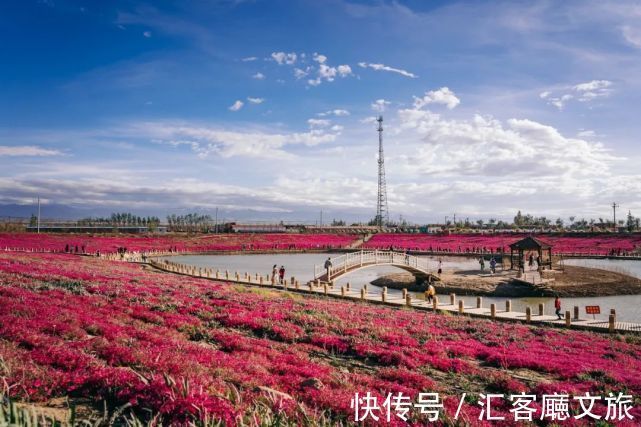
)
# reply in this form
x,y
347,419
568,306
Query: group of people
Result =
x,y
459,250
530,262
71,249
278,274
492,264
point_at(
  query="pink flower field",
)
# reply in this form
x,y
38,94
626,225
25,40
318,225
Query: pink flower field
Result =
x,y
604,244
181,243
178,350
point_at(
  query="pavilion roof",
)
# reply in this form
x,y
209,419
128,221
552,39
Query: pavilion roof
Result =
x,y
530,243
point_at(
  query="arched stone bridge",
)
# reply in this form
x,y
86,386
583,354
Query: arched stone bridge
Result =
x,y
347,263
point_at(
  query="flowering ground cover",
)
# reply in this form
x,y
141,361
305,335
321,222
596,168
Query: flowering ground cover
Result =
x,y
196,243
568,244
182,349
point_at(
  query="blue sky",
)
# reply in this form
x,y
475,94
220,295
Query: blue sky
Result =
x,y
161,107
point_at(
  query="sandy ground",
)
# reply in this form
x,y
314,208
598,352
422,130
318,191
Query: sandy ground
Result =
x,y
571,282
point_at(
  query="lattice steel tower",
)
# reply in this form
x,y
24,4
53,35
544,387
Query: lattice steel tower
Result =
x,y
382,213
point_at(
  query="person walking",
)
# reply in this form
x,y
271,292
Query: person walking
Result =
x,y
531,262
440,267
274,273
328,266
482,263
557,306
281,274
493,265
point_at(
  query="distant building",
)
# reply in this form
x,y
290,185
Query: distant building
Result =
x,y
257,228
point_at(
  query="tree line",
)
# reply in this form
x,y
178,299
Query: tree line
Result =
x,y
191,222
121,219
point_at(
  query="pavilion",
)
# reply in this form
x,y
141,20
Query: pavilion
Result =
x,y
530,244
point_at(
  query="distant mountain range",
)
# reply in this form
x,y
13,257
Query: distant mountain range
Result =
x,y
66,212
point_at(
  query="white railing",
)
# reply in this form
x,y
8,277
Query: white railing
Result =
x,y
344,263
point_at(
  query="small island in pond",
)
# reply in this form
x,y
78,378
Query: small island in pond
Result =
x,y
571,281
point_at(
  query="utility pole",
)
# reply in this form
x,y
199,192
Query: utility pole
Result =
x,y
38,215
382,212
321,218
216,221
614,211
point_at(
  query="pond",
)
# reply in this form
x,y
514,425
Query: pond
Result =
x,y
301,266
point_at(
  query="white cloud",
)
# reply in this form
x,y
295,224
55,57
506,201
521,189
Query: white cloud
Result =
x,y
249,59
484,146
478,165
236,105
258,76
586,134
336,112
442,96
147,34
582,92
593,85
368,120
300,73
284,58
593,89
559,102
318,122
632,35
379,105
344,70
319,58
27,150
383,67
255,100
209,140
324,72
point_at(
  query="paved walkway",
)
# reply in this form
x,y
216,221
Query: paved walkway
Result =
x,y
452,305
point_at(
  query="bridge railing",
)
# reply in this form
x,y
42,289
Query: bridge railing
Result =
x,y
343,263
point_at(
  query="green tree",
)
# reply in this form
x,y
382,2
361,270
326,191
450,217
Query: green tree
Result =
x,y
518,219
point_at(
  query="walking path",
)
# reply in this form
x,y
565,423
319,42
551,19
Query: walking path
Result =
x,y
454,306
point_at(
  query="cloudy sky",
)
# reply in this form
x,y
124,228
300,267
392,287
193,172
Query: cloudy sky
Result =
x,y
160,106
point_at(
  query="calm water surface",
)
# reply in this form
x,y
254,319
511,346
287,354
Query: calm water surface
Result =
x,y
302,267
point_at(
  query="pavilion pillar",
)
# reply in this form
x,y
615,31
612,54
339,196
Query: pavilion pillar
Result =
x,y
511,259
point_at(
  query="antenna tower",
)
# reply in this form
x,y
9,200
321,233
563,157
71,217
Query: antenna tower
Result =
x,y
382,213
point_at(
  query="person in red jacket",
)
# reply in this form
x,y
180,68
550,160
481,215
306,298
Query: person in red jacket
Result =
x,y
557,306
